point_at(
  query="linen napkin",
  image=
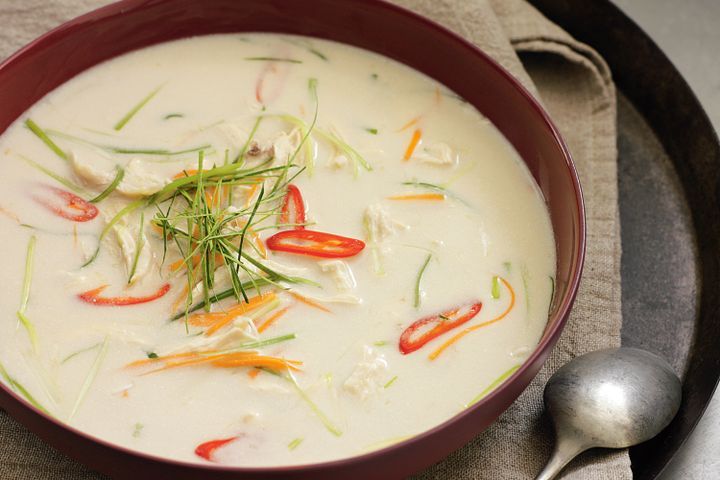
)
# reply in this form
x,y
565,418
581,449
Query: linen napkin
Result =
x,y
575,86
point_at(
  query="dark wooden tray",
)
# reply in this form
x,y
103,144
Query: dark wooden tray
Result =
x,y
669,185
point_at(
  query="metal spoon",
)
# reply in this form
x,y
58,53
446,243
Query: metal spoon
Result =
x,y
611,398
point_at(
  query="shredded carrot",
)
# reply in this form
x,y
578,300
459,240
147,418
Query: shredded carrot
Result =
x,y
254,373
309,302
264,326
253,190
125,393
181,298
410,123
419,196
10,214
464,332
217,320
231,360
417,135
178,264
185,173
149,361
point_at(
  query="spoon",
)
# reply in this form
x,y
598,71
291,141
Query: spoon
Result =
x,y
611,398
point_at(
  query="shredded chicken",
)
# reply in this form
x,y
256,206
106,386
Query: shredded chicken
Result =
x,y
285,145
127,240
139,181
369,374
340,272
242,329
379,224
436,154
85,164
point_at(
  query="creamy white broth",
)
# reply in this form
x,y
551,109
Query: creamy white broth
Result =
x,y
366,394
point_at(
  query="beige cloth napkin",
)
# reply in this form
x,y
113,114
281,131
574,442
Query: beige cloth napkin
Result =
x,y
574,84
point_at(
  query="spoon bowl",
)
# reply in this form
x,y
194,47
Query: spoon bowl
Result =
x,y
611,398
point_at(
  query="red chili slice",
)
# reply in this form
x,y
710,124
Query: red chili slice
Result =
x,y
270,82
93,297
293,203
68,205
206,450
315,244
412,339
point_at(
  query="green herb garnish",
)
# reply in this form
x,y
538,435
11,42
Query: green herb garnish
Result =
x,y
25,295
18,387
119,174
137,430
372,131
40,133
139,244
79,352
329,426
90,378
492,386
173,115
152,355
418,293
380,343
273,59
128,116
495,290
295,443
57,177
390,382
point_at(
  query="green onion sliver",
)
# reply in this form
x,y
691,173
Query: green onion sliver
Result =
x,y
492,386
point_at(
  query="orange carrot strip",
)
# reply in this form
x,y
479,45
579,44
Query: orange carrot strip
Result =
x,y
464,332
234,360
217,320
251,194
410,123
311,303
253,373
417,135
272,319
149,361
181,298
419,196
185,173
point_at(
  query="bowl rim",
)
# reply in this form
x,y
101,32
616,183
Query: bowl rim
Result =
x,y
550,334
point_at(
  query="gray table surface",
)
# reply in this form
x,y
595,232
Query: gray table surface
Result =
x,y
687,31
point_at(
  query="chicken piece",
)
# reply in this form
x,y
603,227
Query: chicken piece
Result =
x,y
128,241
86,166
338,161
379,225
369,374
241,330
340,273
437,154
139,181
285,145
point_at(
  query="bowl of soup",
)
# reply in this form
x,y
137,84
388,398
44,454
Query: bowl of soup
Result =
x,y
274,239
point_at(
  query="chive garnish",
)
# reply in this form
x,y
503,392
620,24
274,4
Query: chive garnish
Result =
x,y
418,280
139,244
90,378
129,208
18,387
507,266
380,343
372,131
492,386
128,150
524,275
318,54
495,290
173,115
79,352
152,355
295,443
40,133
25,295
374,76
137,429
437,188
128,116
57,177
119,174
329,426
273,59
390,382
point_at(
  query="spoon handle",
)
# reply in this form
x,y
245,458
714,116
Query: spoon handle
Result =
x,y
564,451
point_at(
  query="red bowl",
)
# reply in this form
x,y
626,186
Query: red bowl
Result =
x,y
372,24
